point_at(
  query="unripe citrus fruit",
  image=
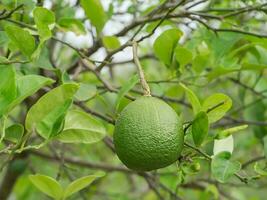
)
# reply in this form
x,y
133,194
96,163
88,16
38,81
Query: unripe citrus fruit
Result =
x,y
148,135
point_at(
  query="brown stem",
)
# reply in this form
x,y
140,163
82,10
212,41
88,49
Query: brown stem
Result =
x,y
143,82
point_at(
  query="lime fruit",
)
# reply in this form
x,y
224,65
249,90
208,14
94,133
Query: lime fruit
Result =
x,y
148,135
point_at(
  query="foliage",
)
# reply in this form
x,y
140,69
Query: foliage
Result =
x,y
67,72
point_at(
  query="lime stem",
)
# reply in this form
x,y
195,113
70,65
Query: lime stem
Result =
x,y
143,81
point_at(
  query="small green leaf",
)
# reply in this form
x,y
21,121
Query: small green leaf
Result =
x,y
85,92
223,168
261,170
42,59
47,114
18,166
27,86
110,10
95,13
126,88
165,44
111,42
216,106
200,128
47,185
183,56
152,25
265,146
256,112
253,66
80,127
3,60
14,133
81,183
192,99
225,133
200,63
72,24
212,189
22,39
44,19
8,87
3,38
191,168
219,71
222,43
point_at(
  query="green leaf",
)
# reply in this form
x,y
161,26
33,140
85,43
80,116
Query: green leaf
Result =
x,y
253,66
194,101
80,184
222,168
42,59
256,112
27,86
126,88
14,133
22,39
212,189
63,76
200,128
36,54
222,43
261,170
183,56
240,51
191,168
219,71
44,19
3,38
47,185
3,60
18,166
165,44
47,114
111,42
200,63
216,106
8,87
110,10
85,92
72,24
225,133
152,25
265,146
80,127
95,13
52,124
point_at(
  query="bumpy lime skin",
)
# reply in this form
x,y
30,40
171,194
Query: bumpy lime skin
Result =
x,y
148,135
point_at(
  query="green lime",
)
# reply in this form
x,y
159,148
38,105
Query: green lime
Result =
x,y
148,135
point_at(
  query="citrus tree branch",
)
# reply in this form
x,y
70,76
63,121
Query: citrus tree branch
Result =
x,y
82,163
7,15
199,151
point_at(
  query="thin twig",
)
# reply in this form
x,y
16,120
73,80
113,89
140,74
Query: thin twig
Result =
x,y
253,160
161,21
82,163
97,114
9,14
243,179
